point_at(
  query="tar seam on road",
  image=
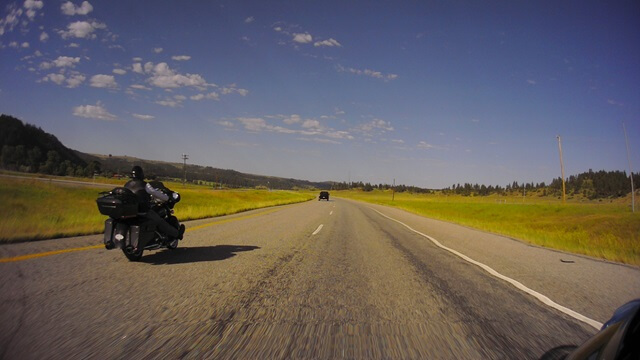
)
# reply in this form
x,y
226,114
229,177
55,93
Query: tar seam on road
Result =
x,y
62,251
318,229
542,298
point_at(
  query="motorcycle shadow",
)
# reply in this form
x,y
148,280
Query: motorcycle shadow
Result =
x,y
195,254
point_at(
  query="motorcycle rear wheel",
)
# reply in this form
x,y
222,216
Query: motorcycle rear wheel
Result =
x,y
173,244
132,255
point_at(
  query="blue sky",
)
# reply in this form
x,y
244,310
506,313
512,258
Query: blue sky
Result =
x,y
430,93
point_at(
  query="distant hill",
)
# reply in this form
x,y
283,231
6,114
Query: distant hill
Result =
x,y
121,165
28,148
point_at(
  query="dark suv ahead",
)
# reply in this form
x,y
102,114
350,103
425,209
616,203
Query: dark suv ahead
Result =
x,y
323,195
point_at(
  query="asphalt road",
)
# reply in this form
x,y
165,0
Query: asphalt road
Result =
x,y
324,280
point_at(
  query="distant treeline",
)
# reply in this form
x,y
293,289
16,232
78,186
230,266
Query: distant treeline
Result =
x,y
591,185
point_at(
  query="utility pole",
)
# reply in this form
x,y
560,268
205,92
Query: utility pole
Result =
x,y
393,191
185,157
561,167
633,193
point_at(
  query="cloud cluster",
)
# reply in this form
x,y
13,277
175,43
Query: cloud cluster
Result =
x,y
82,30
302,38
329,42
70,9
97,111
103,81
143,117
72,80
369,73
16,15
162,76
305,127
32,7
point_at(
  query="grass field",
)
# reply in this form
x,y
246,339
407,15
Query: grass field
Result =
x,y
32,209
606,229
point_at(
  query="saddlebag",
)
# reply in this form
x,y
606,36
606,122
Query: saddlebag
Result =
x,y
118,203
142,233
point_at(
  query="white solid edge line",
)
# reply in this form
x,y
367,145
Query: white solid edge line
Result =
x,y
542,298
318,229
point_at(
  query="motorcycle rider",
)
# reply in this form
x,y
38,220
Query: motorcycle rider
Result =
x,y
143,191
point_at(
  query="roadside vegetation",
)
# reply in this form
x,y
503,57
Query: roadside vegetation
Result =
x,y
604,228
33,209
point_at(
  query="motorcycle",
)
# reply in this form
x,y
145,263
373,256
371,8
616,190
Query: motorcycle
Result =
x,y
129,231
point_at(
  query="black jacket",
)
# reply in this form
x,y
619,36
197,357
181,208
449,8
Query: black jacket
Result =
x,y
138,188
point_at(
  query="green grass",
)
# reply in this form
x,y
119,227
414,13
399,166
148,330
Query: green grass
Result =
x,y
32,209
606,229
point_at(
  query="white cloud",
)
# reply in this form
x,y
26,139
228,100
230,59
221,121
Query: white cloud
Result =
x,y
531,82
140,87
397,141
169,102
225,123
32,6
158,50
375,126
330,43
181,58
293,119
54,78
82,30
197,97
75,80
369,73
70,9
164,77
143,117
137,68
137,59
311,124
66,61
249,20
11,20
310,127
119,71
73,45
233,89
253,124
24,45
96,111
277,28
425,145
103,81
44,36
302,38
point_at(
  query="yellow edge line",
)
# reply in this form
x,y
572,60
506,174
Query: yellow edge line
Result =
x,y
56,252
48,253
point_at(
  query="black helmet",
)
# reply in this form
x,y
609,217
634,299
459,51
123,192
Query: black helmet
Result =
x,y
137,173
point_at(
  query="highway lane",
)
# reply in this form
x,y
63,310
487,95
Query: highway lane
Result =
x,y
275,284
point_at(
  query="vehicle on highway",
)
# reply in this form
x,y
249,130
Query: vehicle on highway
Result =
x,y
323,195
128,230
619,338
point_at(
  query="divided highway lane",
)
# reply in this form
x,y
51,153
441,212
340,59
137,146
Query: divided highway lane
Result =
x,y
313,280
